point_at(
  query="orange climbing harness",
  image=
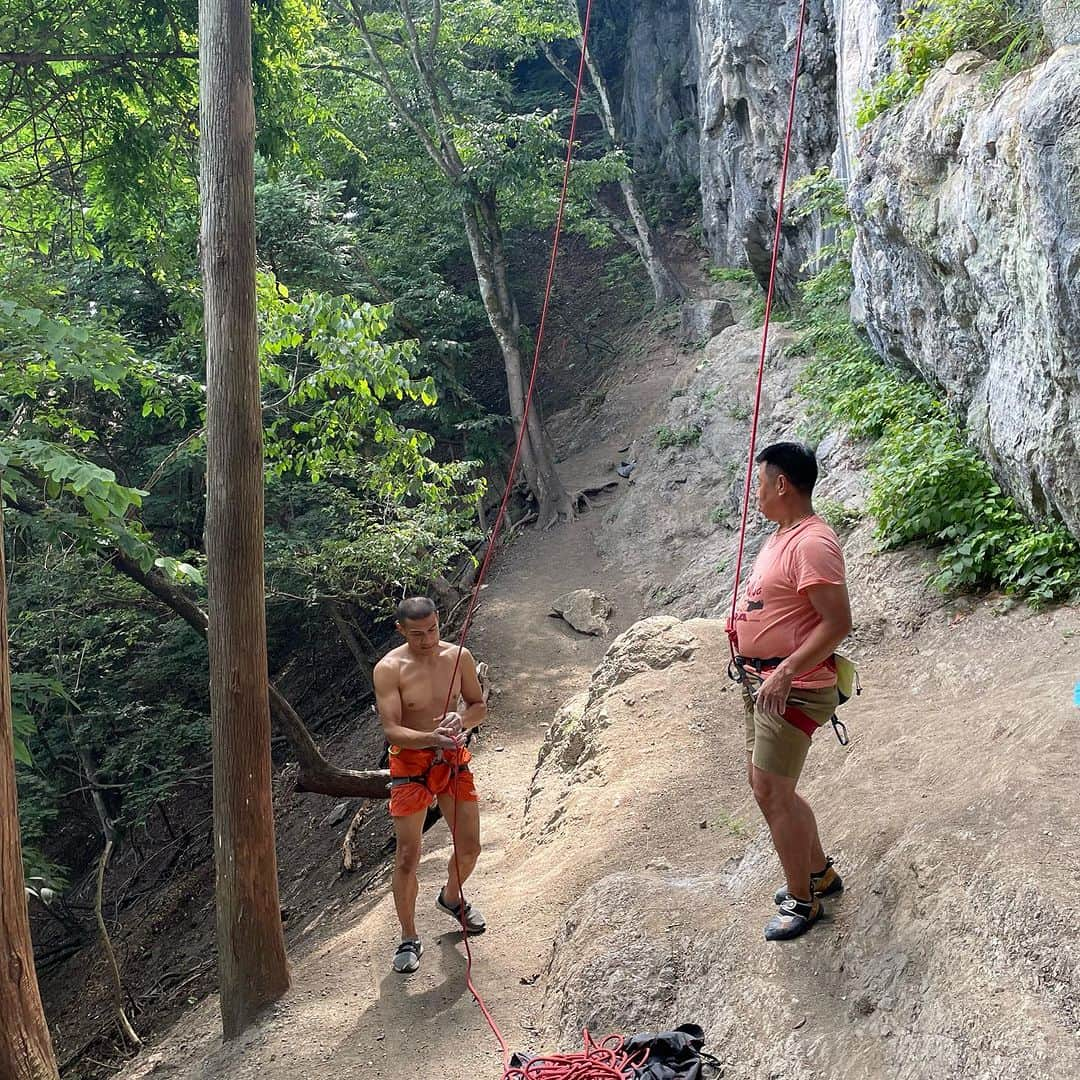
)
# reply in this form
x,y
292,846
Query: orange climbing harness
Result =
x,y
606,1059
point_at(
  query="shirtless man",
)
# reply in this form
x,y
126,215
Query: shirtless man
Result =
x,y
428,761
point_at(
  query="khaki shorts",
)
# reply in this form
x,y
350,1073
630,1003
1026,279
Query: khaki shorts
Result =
x,y
780,745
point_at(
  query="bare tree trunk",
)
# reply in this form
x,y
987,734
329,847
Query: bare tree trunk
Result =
x,y
665,285
25,1048
537,454
363,661
117,986
89,766
253,971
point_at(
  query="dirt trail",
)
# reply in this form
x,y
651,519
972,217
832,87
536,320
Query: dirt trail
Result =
x,y
348,1014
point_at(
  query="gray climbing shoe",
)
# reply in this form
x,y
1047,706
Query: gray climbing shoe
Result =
x,y
793,919
407,957
474,921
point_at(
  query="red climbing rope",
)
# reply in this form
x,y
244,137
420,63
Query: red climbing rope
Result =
x,y
508,1073
607,1059
603,1060
765,327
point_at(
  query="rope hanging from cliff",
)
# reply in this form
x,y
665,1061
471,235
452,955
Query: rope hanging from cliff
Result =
x,y
581,1069
769,296
606,1059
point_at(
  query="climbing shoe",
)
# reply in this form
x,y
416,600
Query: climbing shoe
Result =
x,y
826,882
407,957
793,919
474,921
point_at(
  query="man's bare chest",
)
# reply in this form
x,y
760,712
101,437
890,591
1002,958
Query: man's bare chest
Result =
x,y
424,690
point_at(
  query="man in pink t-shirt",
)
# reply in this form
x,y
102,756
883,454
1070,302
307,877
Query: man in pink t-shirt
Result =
x,y
788,623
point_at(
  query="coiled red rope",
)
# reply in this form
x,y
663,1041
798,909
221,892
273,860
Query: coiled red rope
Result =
x,y
603,1060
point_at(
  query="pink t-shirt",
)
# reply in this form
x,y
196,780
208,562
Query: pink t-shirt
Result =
x,y
775,616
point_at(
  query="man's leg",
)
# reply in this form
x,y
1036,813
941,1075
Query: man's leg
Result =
x,y
793,826
463,817
409,832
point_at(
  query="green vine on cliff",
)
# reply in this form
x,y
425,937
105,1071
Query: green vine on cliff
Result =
x,y
927,484
930,32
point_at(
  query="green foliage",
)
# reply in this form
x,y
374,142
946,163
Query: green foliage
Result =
x,y
740,274
362,550
667,437
375,350
837,515
929,33
755,314
927,483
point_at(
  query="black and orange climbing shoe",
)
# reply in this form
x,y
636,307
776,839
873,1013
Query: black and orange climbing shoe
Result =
x,y
407,957
825,882
474,921
793,919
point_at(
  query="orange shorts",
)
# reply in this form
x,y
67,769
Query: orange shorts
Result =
x,y
407,798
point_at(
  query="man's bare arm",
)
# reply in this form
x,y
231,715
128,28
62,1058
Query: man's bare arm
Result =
x,y
388,703
832,604
472,692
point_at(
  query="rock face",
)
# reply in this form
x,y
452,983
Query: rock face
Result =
x,y
967,199
704,319
706,95
967,262
1061,18
659,100
586,611
745,51
863,29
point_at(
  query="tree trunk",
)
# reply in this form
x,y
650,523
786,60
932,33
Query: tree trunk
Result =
x,y
537,455
25,1048
253,971
106,943
665,287
90,770
363,661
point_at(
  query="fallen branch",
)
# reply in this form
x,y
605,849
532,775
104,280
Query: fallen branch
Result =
x,y
348,860
117,986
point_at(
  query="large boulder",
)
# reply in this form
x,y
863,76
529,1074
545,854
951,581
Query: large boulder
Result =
x,y
586,611
704,319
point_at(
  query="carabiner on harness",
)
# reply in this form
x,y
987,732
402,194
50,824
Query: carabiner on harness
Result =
x,y
840,728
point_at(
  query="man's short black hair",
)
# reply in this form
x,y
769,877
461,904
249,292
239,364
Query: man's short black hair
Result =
x,y
795,461
414,608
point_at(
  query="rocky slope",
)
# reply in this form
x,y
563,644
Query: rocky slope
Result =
x,y
951,953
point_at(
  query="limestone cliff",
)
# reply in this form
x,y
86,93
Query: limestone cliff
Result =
x,y
966,199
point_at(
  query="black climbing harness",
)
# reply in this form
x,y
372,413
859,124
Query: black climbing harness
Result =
x,y
400,781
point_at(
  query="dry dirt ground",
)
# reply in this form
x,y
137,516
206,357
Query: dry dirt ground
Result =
x,y
626,877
